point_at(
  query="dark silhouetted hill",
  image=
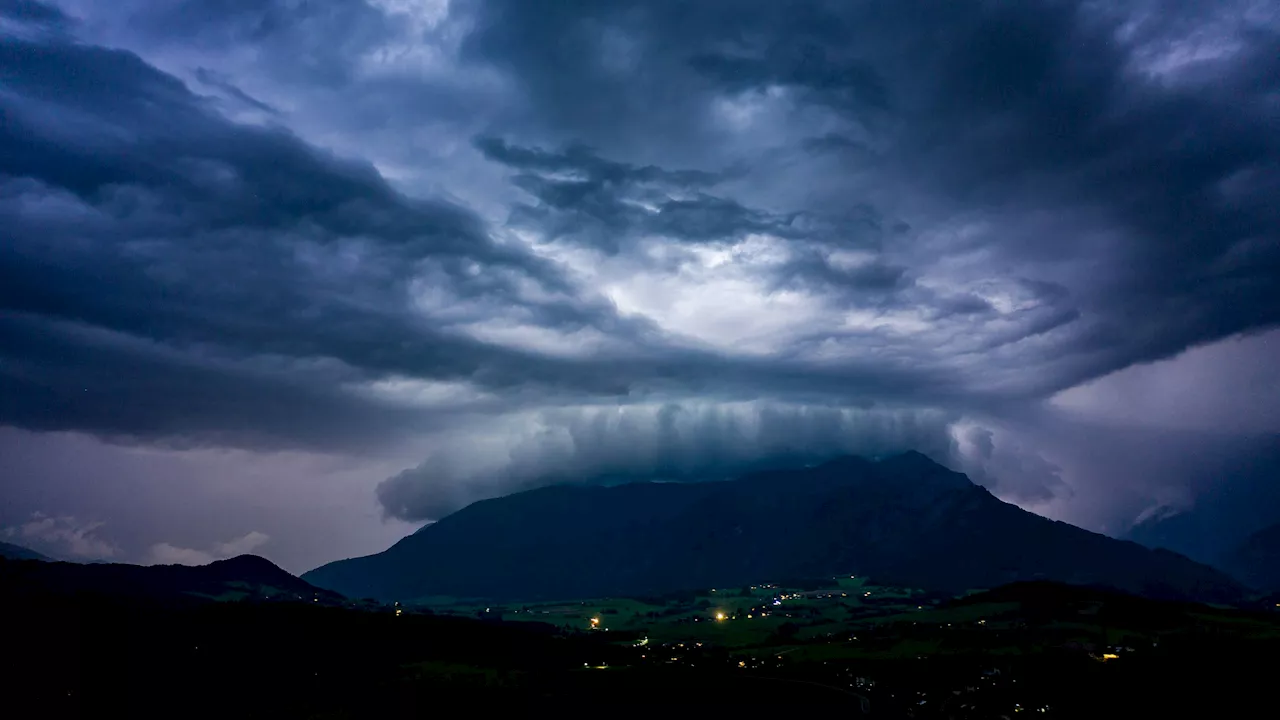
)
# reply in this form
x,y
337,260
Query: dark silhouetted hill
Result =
x,y
1256,562
905,520
9,551
1062,605
239,578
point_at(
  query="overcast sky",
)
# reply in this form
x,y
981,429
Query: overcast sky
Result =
x,y
295,276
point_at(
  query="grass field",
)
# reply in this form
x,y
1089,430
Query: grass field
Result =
x,y
724,617
845,619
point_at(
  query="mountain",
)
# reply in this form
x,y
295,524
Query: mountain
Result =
x,y
243,577
1201,536
1233,499
9,551
905,520
1256,561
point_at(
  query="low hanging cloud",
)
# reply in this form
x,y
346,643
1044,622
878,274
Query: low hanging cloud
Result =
x,y
1008,469
673,442
167,554
63,536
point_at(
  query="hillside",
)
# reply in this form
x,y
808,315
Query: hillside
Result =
x,y
905,521
238,578
1256,561
9,551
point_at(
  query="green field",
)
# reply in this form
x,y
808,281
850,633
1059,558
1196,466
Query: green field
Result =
x,y
742,617
847,619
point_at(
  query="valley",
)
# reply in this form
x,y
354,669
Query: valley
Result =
x,y
848,643
1041,648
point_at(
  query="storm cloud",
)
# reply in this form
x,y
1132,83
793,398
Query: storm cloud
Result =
x,y
526,242
670,442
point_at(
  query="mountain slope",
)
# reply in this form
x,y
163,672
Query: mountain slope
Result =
x,y
1243,498
243,577
905,520
1256,562
9,551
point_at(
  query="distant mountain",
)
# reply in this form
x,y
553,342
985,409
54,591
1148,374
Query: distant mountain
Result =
x,y
905,520
9,551
1242,497
1256,561
1198,535
239,578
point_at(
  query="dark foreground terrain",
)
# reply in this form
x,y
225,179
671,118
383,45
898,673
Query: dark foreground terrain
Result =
x,y
1043,649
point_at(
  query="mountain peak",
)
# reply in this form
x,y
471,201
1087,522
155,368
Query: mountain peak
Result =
x,y
906,520
910,458
249,568
922,472
254,562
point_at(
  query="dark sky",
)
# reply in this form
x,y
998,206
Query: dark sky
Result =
x,y
294,276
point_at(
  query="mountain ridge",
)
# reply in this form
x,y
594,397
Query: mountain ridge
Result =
x,y
1256,561
241,577
9,551
905,520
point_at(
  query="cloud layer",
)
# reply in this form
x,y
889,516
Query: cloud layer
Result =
x,y
670,442
63,537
